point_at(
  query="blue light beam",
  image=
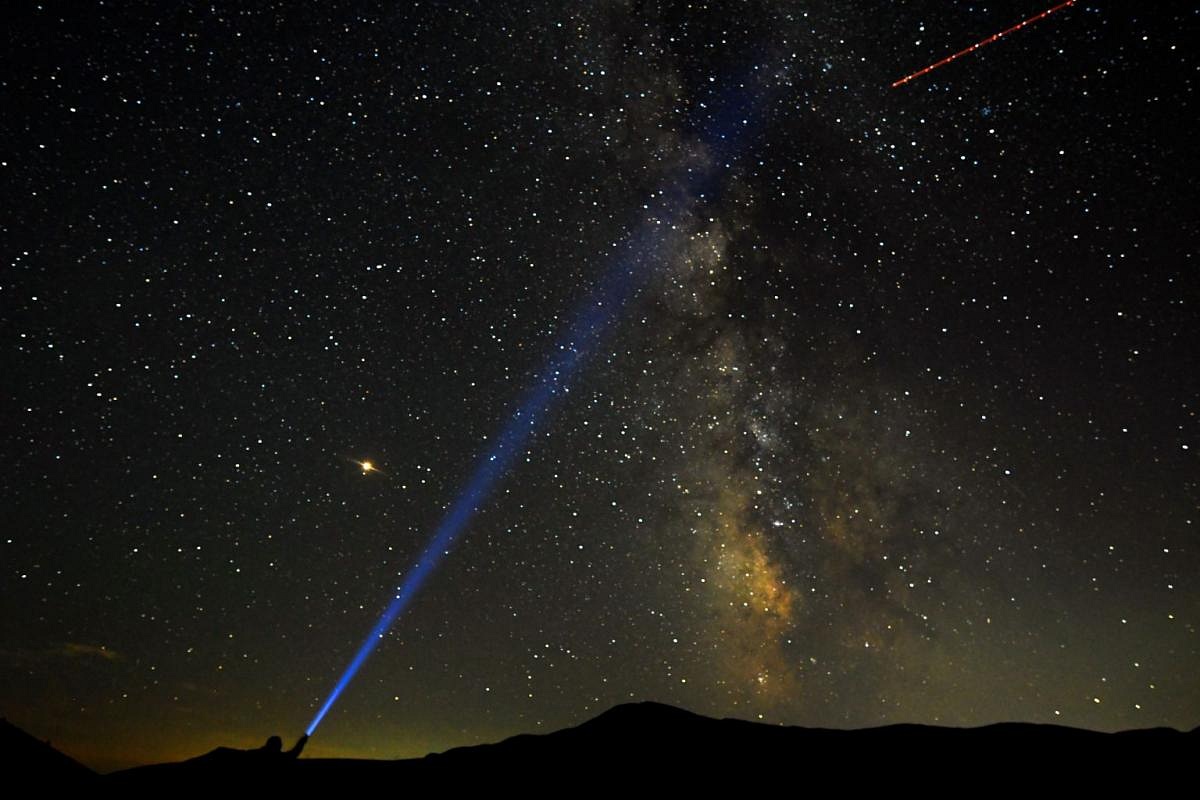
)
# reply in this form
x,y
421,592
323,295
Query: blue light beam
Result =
x,y
722,131
596,316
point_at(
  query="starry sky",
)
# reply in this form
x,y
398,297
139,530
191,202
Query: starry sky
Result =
x,y
895,422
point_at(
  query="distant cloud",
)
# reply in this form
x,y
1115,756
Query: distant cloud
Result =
x,y
80,650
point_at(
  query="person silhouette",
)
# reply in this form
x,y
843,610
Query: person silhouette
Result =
x,y
296,748
273,747
272,750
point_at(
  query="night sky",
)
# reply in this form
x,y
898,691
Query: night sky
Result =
x,y
897,423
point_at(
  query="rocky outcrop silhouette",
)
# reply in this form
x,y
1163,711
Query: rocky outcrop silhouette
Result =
x,y
25,758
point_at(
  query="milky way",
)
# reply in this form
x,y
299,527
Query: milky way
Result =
x,y
896,424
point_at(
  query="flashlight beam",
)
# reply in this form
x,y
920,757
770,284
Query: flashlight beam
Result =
x,y
722,128
595,318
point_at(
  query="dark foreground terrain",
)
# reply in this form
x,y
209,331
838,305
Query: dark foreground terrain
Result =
x,y
22,756
634,746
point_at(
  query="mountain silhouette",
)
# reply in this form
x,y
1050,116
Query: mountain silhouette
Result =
x,y
24,758
649,744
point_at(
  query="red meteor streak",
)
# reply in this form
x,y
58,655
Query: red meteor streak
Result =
x,y
978,45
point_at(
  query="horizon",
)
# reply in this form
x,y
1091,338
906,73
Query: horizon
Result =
x,y
354,753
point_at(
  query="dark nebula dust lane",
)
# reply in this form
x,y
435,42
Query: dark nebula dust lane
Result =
x,y
891,419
